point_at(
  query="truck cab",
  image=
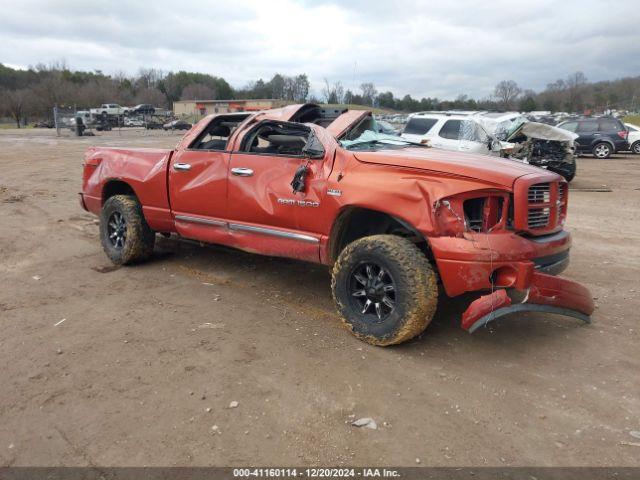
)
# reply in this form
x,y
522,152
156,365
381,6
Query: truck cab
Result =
x,y
396,221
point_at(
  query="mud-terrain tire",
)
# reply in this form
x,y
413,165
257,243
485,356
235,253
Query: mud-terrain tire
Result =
x,y
126,238
414,294
602,150
635,148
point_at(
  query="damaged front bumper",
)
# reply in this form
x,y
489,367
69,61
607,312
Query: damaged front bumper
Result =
x,y
545,293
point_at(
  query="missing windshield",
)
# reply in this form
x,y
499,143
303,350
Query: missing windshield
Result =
x,y
370,140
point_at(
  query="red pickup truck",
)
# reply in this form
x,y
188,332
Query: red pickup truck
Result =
x,y
398,222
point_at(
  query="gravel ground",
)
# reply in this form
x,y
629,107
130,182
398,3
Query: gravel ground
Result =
x,y
140,365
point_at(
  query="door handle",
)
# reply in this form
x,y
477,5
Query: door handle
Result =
x,y
182,167
242,172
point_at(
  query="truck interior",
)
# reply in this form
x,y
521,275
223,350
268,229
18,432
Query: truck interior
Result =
x,y
217,133
276,138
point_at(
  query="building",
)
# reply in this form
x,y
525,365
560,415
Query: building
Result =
x,y
200,108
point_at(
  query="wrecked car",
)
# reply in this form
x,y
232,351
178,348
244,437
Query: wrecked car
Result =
x,y
508,135
400,224
542,145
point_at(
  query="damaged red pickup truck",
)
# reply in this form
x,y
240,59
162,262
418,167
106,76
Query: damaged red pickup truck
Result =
x,y
393,218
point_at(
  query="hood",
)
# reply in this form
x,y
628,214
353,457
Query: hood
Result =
x,y
548,132
494,170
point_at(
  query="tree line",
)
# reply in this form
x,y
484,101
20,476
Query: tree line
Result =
x,y
30,94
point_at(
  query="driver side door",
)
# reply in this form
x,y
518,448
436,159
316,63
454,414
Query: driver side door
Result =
x,y
265,215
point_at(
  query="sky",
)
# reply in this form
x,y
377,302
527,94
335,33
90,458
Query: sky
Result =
x,y
423,48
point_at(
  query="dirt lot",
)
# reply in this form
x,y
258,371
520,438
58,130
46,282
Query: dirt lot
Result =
x,y
147,360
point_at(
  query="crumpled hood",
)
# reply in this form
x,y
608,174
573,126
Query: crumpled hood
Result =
x,y
481,167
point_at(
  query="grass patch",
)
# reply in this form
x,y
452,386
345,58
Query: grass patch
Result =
x,y
635,119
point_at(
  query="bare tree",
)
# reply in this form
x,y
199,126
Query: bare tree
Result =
x,y
369,93
575,83
149,77
333,93
151,96
197,91
506,92
15,103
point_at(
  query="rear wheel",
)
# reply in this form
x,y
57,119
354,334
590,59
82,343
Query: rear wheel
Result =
x,y
385,289
126,238
602,150
635,148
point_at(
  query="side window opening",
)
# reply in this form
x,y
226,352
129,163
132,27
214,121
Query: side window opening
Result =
x,y
217,133
570,126
451,129
588,126
276,138
610,125
419,126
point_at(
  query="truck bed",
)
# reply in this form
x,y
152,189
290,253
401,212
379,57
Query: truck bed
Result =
x,y
144,170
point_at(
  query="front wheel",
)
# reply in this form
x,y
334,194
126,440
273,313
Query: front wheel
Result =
x,y
635,148
384,289
126,238
602,150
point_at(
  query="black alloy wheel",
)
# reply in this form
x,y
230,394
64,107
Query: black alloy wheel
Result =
x,y
373,291
117,230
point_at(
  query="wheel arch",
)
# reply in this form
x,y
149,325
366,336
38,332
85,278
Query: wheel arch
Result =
x,y
354,222
603,140
117,187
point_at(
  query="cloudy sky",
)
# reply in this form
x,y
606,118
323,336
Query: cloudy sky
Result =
x,y
425,48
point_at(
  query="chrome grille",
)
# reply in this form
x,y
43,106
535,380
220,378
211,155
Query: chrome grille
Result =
x,y
540,193
539,217
562,200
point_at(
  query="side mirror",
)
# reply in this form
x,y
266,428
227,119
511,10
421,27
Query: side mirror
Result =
x,y
313,148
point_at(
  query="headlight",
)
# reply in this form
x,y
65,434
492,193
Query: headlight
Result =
x,y
472,212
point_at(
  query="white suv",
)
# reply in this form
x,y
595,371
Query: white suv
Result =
x,y
455,130
634,137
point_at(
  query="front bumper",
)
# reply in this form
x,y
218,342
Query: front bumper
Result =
x,y
518,270
483,261
546,293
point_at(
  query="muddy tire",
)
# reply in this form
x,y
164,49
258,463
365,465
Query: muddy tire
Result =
x,y
126,238
385,289
602,150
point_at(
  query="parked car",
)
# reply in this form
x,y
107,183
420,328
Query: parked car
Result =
x,y
107,109
133,121
44,124
394,219
153,125
177,125
509,135
143,109
634,137
599,136
457,131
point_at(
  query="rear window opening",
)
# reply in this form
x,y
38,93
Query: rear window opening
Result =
x,y
217,133
419,126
